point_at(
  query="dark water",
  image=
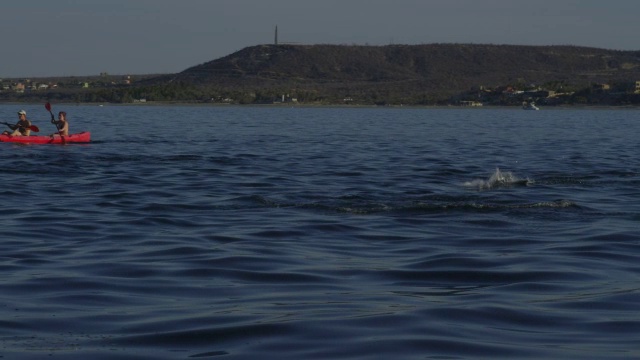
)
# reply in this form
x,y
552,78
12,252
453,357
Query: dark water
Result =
x,y
323,233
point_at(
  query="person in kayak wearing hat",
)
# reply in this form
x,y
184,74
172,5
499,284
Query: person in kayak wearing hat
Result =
x,y
62,124
22,127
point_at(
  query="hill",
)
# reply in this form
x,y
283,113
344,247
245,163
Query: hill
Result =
x,y
409,74
405,73
437,64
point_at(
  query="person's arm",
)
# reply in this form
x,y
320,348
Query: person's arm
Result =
x,y
23,125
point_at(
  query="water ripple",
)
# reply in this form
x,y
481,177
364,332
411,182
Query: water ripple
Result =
x,y
317,233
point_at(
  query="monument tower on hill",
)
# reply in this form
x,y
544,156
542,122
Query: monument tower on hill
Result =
x,y
276,36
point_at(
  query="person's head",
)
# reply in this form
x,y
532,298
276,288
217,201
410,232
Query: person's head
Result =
x,y
22,114
62,115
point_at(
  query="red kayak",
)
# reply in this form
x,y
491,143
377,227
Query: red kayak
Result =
x,y
83,137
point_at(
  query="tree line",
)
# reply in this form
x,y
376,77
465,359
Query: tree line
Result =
x,y
618,95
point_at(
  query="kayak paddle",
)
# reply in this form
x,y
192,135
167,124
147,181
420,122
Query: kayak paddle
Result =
x,y
32,127
48,107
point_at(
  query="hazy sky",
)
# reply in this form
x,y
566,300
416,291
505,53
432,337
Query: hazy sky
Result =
x,y
86,37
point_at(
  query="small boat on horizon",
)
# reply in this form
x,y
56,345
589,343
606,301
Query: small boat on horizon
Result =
x,y
529,105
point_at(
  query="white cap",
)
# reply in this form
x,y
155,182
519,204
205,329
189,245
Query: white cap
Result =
x,y
22,112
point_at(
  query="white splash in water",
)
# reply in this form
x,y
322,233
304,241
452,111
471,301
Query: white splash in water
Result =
x,y
498,179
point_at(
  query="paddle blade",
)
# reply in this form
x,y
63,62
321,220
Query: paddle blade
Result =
x,y
34,128
47,106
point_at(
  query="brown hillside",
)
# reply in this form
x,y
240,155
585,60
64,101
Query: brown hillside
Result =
x,y
444,68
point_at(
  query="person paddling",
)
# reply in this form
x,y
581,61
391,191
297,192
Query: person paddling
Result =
x,y
22,127
62,124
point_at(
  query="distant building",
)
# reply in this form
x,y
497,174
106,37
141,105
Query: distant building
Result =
x,y
601,87
540,93
637,87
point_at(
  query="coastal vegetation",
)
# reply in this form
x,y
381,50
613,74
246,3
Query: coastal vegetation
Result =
x,y
433,74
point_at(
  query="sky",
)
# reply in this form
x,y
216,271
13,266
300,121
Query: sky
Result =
x,y
43,38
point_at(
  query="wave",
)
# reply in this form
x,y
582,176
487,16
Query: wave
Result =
x,y
432,204
498,179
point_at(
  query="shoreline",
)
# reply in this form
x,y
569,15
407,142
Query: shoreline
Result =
x,y
345,106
